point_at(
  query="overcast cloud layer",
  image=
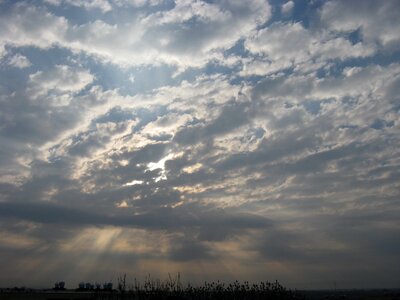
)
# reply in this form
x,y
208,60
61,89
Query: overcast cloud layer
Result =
x,y
226,139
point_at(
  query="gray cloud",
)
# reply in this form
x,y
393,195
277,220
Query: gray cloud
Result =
x,y
270,150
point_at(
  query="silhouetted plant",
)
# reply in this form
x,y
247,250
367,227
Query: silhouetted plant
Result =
x,y
122,284
172,289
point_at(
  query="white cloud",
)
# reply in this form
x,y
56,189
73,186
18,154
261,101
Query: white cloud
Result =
x,y
185,10
365,81
287,7
62,80
103,5
262,67
137,3
28,25
3,51
378,21
158,37
53,2
19,61
285,44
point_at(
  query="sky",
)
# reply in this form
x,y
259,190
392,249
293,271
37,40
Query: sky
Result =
x,y
251,140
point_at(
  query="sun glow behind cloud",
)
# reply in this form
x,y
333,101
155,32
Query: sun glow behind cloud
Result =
x,y
160,165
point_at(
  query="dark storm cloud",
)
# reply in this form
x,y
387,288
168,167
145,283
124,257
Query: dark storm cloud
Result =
x,y
149,153
45,213
188,248
160,218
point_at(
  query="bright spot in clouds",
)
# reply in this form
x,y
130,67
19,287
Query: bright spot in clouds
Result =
x,y
123,204
133,182
160,165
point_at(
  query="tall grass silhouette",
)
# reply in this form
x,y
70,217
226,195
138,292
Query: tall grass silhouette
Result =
x,y
173,289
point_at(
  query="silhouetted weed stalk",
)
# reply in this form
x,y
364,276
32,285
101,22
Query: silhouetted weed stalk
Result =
x,y
172,289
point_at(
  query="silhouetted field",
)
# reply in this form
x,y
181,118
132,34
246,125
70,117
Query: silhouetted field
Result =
x,y
172,289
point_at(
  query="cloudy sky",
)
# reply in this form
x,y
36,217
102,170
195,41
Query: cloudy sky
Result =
x,y
227,139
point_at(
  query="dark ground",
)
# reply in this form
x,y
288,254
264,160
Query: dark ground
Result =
x,y
373,294
377,294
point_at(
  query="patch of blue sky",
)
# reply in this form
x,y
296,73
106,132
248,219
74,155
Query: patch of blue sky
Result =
x,y
303,11
80,136
256,79
257,132
108,76
149,78
118,14
128,13
215,68
248,80
336,68
115,115
6,6
238,49
128,81
211,68
74,14
12,79
143,115
148,6
313,107
355,36
189,75
331,70
348,101
45,59
382,58
380,124
147,116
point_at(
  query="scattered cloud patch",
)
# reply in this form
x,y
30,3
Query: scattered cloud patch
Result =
x,y
19,61
287,7
60,79
102,5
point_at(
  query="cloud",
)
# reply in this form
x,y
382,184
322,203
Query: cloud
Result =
x,y
377,23
185,10
28,25
19,61
102,5
45,213
141,41
137,3
290,45
256,140
232,116
287,7
60,79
